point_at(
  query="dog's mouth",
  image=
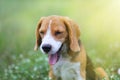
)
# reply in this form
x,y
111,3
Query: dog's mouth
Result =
x,y
53,58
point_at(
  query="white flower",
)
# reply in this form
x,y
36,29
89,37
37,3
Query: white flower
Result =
x,y
119,71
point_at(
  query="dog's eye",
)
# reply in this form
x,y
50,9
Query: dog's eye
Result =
x,y
57,33
41,32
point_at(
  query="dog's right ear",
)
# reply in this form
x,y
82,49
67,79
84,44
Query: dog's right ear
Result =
x,y
38,38
73,34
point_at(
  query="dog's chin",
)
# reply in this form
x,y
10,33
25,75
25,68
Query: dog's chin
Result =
x,y
53,58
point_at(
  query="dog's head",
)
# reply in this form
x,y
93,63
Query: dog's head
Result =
x,y
52,32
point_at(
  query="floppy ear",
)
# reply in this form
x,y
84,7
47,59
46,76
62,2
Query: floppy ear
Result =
x,y
73,33
38,38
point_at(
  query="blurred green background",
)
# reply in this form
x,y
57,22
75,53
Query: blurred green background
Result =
x,y
99,22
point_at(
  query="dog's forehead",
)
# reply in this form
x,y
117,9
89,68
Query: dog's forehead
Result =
x,y
53,22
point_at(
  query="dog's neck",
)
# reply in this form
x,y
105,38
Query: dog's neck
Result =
x,y
64,68
67,70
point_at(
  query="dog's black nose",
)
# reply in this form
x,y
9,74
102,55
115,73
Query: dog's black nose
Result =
x,y
46,48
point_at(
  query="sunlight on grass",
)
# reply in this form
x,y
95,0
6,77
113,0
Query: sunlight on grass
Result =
x,y
108,19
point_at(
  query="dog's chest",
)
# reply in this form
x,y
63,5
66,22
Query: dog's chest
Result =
x,y
67,70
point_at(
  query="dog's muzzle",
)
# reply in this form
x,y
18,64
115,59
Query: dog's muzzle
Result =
x,y
46,48
53,57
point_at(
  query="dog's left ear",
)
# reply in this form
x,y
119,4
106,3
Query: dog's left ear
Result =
x,y
38,38
73,34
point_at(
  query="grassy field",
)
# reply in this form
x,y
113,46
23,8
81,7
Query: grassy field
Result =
x,y
99,22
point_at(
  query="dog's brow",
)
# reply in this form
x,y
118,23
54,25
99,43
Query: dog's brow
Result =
x,y
50,22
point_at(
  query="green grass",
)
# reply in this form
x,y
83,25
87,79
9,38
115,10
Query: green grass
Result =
x,y
35,67
32,67
99,25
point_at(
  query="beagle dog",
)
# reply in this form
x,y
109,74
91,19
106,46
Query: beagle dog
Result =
x,y
59,38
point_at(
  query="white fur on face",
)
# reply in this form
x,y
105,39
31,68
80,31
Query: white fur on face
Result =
x,y
48,39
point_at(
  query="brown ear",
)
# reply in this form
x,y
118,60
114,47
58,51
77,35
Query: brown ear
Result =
x,y
38,38
73,33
